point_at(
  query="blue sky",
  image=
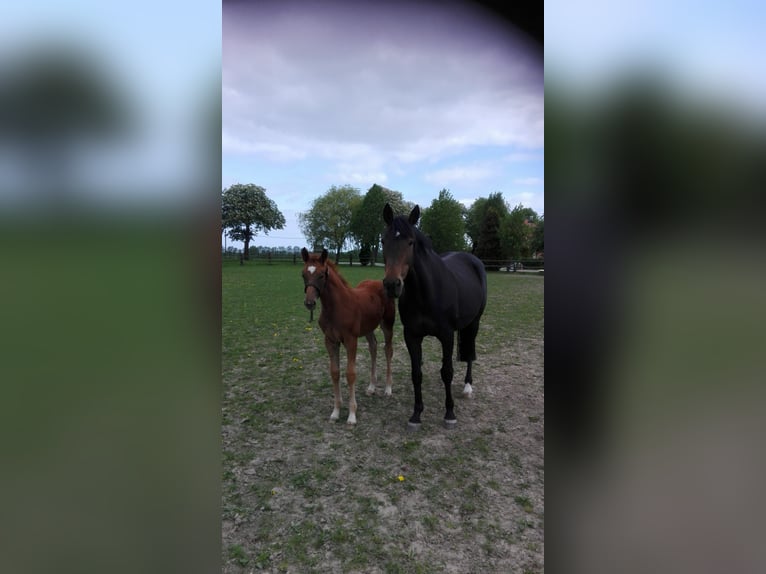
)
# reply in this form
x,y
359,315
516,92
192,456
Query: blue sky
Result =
x,y
413,96
164,57
708,50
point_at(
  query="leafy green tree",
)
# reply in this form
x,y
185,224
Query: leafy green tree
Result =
x,y
478,211
246,210
55,101
367,220
328,221
489,247
517,232
538,237
443,222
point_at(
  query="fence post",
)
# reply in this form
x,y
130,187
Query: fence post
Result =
x,y
350,259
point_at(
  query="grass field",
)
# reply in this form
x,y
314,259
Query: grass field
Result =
x,y
303,494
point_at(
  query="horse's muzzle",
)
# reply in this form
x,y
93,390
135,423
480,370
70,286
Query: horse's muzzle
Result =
x,y
310,305
393,287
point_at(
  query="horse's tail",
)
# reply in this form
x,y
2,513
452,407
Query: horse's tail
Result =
x,y
466,341
466,337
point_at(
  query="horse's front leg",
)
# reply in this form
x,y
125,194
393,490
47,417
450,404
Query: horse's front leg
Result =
x,y
415,348
388,333
447,372
333,349
372,343
350,344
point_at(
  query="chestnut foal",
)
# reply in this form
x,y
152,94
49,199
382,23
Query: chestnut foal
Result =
x,y
347,314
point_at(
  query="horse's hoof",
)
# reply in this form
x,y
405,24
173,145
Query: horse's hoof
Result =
x,y
413,427
370,391
468,391
450,424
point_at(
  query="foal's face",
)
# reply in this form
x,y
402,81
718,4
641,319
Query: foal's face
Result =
x,y
314,276
398,249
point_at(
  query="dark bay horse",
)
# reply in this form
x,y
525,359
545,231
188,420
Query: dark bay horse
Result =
x,y
438,295
347,314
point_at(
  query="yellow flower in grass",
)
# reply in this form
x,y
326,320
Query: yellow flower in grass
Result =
x,y
401,478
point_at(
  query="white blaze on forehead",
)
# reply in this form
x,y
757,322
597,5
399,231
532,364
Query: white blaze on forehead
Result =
x,y
312,268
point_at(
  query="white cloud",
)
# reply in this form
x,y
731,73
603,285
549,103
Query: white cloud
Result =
x,y
528,181
458,174
270,150
407,90
359,178
522,157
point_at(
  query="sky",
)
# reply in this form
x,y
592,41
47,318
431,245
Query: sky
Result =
x,y
711,50
416,97
162,57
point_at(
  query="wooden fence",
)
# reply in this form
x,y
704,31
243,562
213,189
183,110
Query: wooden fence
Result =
x,y
268,258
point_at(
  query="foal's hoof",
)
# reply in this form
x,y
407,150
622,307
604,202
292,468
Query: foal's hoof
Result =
x,y
450,424
370,391
413,427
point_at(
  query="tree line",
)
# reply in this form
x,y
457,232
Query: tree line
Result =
x,y
343,217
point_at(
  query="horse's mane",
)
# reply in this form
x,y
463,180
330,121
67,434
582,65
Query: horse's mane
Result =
x,y
334,266
423,242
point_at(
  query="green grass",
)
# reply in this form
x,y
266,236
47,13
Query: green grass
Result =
x,y
304,488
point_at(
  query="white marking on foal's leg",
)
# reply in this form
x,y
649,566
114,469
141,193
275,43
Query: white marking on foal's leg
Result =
x,y
335,414
468,391
388,390
371,389
351,419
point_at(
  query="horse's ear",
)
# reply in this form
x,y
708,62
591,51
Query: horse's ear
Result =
x,y
388,214
414,215
324,255
305,254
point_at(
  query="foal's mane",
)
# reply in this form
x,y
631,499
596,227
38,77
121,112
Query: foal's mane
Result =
x,y
334,266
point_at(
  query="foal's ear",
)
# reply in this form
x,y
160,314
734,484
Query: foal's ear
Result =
x,y
388,214
305,254
414,215
324,255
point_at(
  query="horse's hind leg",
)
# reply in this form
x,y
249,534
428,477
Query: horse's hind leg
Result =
x,y
350,345
333,349
372,343
466,351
